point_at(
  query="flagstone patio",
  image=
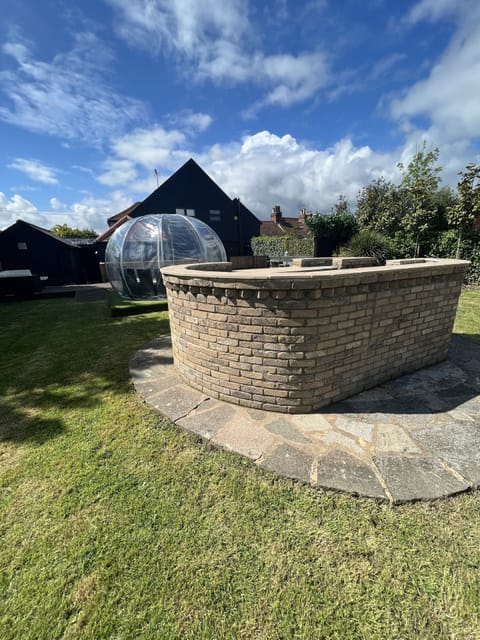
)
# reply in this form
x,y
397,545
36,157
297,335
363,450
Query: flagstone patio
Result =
x,y
414,438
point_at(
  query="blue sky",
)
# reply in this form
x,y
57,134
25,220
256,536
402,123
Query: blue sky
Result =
x,y
281,102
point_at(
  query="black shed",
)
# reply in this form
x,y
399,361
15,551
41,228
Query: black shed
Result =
x,y
25,246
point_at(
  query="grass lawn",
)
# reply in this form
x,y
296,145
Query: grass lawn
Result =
x,y
467,321
114,524
123,307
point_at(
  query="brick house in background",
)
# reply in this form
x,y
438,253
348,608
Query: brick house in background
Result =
x,y
279,225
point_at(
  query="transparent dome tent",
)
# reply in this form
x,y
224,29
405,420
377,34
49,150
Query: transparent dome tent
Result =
x,y
141,247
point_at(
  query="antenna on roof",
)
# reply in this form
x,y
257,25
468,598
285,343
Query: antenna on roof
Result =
x,y
156,173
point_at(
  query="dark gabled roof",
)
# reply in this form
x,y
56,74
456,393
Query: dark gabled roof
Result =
x,y
113,219
106,235
189,172
190,167
283,227
42,230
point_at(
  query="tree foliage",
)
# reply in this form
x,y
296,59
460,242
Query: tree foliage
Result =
x,y
421,218
276,246
64,231
418,188
466,211
341,206
379,206
331,230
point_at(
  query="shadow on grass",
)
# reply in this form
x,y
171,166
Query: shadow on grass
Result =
x,y
436,389
61,357
474,337
18,428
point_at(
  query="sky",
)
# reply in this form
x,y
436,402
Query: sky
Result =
x,y
282,102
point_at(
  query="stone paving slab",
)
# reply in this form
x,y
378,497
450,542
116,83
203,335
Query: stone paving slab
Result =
x,y
413,438
417,478
339,470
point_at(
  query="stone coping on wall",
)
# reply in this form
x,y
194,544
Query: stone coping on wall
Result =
x,y
303,276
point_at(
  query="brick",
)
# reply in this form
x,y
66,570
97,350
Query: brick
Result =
x,y
310,343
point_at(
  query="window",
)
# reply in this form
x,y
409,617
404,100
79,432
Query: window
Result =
x,y
22,246
214,215
185,212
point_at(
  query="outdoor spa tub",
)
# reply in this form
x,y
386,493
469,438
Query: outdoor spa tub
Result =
x,y
297,338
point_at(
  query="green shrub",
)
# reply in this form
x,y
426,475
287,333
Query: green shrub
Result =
x,y
401,245
441,244
331,231
368,243
276,246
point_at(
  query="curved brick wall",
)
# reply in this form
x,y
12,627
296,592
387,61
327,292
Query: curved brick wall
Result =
x,y
297,338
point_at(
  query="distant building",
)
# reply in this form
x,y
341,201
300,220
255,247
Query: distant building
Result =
x,y
191,192
279,225
25,246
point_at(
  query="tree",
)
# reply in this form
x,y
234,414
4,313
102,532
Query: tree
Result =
x,y
64,231
419,186
466,212
341,206
444,199
380,207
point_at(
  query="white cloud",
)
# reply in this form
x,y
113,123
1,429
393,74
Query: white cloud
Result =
x,y
18,208
148,147
266,169
449,97
35,170
294,78
218,42
181,25
117,172
70,96
436,9
56,204
385,65
89,212
191,121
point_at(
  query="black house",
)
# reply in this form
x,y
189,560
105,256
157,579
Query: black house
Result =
x,y
191,192
25,246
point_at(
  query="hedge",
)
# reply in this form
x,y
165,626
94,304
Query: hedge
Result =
x,y
441,244
275,247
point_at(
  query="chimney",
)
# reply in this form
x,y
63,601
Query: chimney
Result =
x,y
276,214
302,215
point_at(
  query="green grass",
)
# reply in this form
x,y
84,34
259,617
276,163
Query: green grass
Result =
x,y
114,524
123,307
467,321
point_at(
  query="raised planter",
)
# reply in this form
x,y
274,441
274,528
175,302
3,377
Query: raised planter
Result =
x,y
295,339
